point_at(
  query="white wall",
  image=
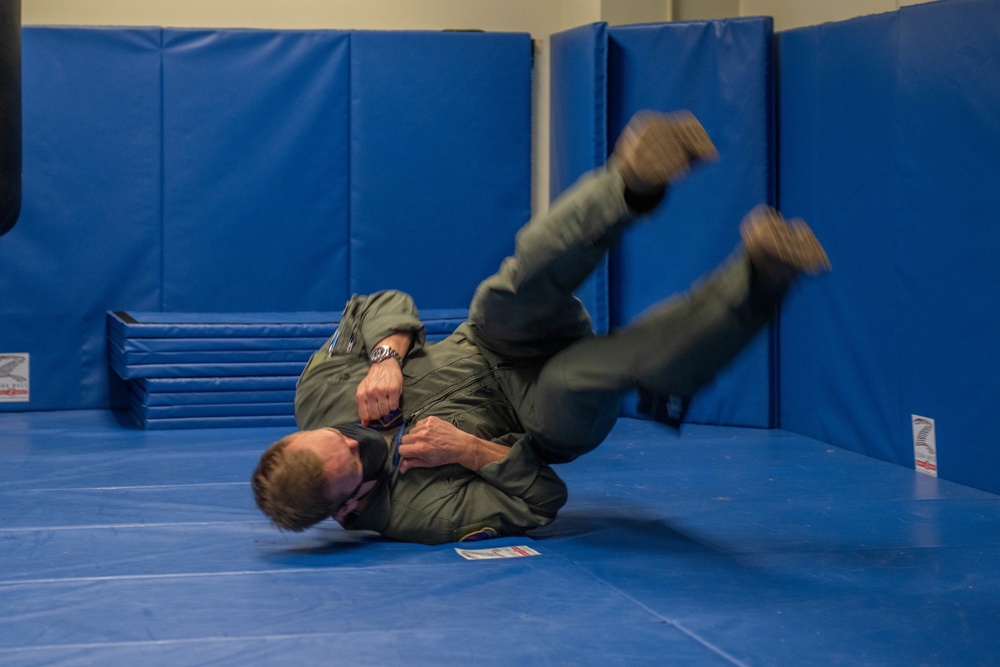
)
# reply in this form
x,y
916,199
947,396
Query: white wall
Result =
x,y
540,18
699,10
790,14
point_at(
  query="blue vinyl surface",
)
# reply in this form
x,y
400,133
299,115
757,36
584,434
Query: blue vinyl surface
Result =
x,y
722,72
440,161
210,397
251,170
216,171
138,326
286,421
714,546
579,133
231,409
210,384
137,358
219,362
889,148
208,344
204,369
166,345
85,183
127,325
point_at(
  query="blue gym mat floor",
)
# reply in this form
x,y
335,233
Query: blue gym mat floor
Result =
x,y
714,546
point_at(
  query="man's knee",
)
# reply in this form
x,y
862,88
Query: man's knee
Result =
x,y
562,435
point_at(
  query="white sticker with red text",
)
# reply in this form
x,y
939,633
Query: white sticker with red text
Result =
x,y
924,445
496,552
14,378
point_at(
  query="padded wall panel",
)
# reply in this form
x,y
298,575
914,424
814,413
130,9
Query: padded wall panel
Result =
x,y
255,142
152,346
185,326
183,368
579,131
722,72
171,423
839,334
209,170
145,399
949,113
889,140
440,160
147,386
88,237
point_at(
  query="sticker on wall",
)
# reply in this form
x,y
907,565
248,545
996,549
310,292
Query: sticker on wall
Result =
x,y
14,378
924,445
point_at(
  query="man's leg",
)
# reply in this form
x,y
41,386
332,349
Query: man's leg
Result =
x,y
677,347
527,309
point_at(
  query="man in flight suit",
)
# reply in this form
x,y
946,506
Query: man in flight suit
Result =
x,y
469,427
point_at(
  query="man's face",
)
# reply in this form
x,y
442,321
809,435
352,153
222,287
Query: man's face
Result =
x,y
341,464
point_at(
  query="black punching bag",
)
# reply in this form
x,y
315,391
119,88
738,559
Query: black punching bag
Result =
x,y
10,113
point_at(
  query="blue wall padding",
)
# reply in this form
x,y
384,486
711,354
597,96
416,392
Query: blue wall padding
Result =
x,y
722,72
889,144
206,331
209,356
89,229
183,368
215,344
200,410
836,171
145,386
255,164
211,170
249,421
204,368
152,346
579,131
440,159
210,397
133,325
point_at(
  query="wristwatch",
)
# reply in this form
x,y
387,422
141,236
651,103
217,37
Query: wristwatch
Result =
x,y
381,353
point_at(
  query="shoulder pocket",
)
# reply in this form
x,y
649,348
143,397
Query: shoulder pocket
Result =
x,y
347,338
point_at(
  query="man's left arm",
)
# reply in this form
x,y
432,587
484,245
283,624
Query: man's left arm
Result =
x,y
433,442
510,467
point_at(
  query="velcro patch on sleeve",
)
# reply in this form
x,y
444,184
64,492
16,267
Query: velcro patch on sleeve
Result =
x,y
485,533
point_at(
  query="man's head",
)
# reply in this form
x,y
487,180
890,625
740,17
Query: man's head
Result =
x,y
310,475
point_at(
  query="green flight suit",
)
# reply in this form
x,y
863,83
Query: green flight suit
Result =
x,y
527,371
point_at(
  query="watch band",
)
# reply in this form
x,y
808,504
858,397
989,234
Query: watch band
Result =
x,y
383,352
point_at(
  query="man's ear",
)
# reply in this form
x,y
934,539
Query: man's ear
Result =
x,y
352,503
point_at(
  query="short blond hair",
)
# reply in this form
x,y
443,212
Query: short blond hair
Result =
x,y
290,486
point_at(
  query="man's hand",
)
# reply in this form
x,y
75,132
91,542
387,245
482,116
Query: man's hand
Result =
x,y
434,442
379,393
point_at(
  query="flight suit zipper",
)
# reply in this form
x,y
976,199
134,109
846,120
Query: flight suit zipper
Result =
x,y
445,393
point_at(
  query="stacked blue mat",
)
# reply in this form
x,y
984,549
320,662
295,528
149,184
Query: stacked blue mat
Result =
x,y
206,370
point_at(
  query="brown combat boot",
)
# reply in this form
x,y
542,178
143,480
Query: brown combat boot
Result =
x,y
656,149
780,250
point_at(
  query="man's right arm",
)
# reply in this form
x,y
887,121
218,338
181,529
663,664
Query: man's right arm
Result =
x,y
389,318
383,314
380,392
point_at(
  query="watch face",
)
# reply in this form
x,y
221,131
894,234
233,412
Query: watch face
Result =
x,y
380,354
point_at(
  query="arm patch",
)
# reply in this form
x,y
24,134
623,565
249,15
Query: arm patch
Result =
x,y
485,533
